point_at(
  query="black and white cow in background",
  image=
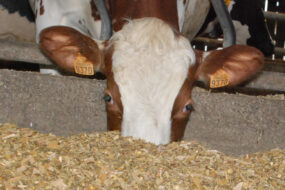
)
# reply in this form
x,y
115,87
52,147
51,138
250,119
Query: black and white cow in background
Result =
x,y
22,7
17,20
249,23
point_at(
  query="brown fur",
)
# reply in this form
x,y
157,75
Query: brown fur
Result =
x,y
180,118
62,44
133,9
95,13
239,61
42,9
115,110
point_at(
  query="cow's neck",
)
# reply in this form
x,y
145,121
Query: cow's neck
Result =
x,y
133,9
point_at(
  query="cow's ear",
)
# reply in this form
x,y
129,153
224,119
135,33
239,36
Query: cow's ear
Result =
x,y
71,50
229,66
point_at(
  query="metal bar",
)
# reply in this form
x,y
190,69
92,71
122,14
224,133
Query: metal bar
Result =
x,y
277,50
208,41
274,16
106,28
274,62
225,22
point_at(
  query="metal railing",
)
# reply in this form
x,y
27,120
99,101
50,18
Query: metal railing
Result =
x,y
274,16
215,42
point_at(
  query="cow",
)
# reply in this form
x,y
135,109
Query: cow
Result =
x,y
17,20
150,66
249,23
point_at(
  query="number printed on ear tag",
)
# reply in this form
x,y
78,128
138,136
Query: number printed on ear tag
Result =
x,y
82,66
219,79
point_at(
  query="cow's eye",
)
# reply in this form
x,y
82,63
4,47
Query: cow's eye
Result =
x,y
188,108
108,99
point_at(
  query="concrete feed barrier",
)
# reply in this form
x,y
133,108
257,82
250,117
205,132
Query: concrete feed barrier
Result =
x,y
232,123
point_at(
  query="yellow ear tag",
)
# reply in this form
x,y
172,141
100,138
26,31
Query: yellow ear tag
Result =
x,y
219,79
227,2
82,66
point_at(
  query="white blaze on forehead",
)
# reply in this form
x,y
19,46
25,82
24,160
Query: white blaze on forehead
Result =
x,y
150,64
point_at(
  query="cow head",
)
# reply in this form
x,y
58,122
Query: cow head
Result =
x,y
150,70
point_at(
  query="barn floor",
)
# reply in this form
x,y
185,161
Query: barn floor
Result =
x,y
31,160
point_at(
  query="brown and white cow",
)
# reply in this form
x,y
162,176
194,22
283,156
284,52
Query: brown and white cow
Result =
x,y
150,67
